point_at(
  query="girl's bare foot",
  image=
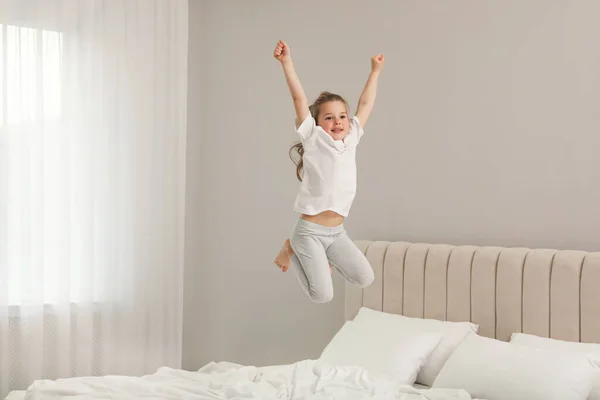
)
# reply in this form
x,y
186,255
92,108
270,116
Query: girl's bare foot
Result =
x,y
331,269
283,258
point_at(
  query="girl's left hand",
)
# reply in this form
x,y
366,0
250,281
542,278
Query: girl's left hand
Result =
x,y
377,62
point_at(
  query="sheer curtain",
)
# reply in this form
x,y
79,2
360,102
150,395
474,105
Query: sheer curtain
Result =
x,y
92,185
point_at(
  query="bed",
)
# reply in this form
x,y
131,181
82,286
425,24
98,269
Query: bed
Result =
x,y
440,322
520,299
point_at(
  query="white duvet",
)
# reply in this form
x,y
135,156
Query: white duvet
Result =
x,y
309,379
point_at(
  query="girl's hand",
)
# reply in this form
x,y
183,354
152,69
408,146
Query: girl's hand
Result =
x,y
377,62
282,52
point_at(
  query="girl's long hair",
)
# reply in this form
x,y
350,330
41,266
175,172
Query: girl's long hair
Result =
x,y
314,109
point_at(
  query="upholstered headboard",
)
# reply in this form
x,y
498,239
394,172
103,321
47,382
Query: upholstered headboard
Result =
x,y
549,293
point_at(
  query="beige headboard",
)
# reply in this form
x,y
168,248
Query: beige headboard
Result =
x,y
549,293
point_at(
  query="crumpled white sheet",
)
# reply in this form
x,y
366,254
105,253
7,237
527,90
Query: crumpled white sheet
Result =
x,y
304,380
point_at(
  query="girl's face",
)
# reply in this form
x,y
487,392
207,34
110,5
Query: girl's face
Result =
x,y
333,118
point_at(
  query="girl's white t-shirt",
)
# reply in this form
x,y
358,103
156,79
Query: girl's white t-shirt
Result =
x,y
329,172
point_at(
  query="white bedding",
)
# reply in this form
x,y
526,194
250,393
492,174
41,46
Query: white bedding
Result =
x,y
16,395
309,379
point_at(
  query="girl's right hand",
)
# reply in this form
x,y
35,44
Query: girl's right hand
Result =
x,y
282,51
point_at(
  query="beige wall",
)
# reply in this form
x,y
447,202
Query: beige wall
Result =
x,y
486,130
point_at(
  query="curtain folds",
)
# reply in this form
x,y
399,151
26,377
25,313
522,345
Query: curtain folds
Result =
x,y
92,187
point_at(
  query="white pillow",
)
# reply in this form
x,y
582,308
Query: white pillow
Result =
x,y
398,357
453,333
495,370
591,350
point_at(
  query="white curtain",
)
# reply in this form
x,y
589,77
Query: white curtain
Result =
x,y
92,181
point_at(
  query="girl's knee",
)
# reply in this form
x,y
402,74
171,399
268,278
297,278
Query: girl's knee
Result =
x,y
321,296
366,278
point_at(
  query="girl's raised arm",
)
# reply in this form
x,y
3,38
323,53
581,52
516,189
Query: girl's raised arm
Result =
x,y
367,98
282,54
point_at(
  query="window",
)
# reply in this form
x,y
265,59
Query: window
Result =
x,y
30,111
30,71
